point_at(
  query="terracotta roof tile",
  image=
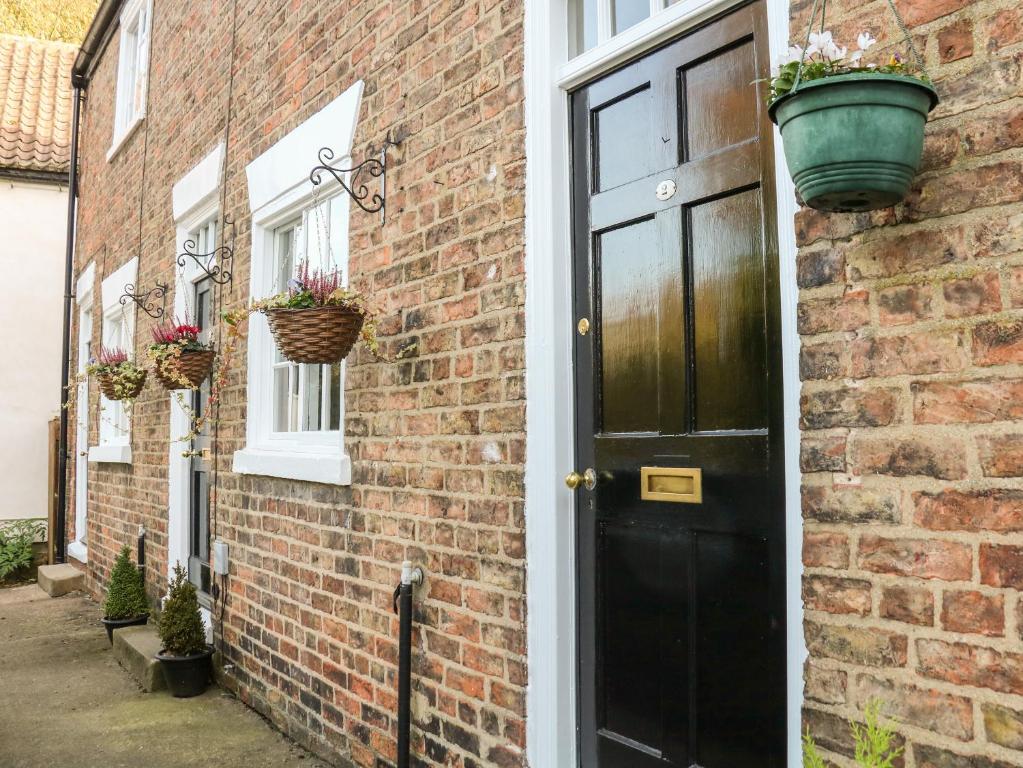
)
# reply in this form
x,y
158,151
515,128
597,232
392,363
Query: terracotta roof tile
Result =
x,y
35,103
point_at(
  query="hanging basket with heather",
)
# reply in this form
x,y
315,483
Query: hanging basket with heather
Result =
x,y
853,129
318,320
180,360
119,378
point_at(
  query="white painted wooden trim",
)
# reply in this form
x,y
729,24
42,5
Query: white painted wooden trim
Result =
x,y
124,95
110,454
85,288
550,544
78,551
195,202
279,189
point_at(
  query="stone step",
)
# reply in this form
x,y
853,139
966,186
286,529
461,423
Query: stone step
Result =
x,y
134,648
60,579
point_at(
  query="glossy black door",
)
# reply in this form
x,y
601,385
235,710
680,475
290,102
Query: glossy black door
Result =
x,y
681,605
199,497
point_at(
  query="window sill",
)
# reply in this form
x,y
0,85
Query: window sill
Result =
x,y
78,551
332,467
110,454
120,139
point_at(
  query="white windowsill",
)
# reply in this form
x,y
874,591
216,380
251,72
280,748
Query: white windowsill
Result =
x,y
334,468
78,551
121,138
110,454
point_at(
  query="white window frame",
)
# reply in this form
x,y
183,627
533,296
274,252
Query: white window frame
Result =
x,y
279,189
132,71
115,446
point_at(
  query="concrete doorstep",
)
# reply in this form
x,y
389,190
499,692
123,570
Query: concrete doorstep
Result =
x,y
57,580
134,648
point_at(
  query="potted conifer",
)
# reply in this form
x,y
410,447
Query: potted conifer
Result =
x,y
185,656
126,604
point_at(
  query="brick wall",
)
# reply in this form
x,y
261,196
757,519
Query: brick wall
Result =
x,y
912,452
436,440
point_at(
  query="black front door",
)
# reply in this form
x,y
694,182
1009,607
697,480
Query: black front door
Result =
x,y
199,469
678,388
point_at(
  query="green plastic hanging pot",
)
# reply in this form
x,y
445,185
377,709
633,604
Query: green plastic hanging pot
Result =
x,y
853,142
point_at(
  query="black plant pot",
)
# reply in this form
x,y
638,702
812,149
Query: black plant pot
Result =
x,y
112,624
186,676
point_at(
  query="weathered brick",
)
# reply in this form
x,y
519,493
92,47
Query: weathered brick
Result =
x,y
970,665
968,296
845,313
977,401
925,352
1001,565
822,454
910,605
956,41
825,550
972,612
1001,455
998,342
922,707
825,685
1002,725
856,645
905,304
907,456
849,505
917,12
994,510
848,407
934,757
923,558
836,595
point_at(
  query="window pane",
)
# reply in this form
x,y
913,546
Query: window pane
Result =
x,y
628,13
585,25
311,397
334,398
280,395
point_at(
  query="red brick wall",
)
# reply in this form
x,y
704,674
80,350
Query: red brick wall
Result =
x,y
436,440
911,452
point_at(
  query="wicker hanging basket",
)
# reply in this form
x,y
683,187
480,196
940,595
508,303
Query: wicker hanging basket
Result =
x,y
194,366
107,385
320,335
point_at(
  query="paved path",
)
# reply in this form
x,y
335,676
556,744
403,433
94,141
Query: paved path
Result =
x,y
65,701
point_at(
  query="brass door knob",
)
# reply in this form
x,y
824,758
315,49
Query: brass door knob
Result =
x,y
588,479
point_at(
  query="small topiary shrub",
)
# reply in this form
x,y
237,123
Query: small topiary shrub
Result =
x,y
181,628
126,596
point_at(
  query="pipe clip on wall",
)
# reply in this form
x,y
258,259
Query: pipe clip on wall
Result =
x,y
411,577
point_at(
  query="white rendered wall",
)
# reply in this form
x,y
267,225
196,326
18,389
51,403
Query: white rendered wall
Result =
x,y
32,223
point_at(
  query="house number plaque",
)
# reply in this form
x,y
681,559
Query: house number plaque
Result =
x,y
666,189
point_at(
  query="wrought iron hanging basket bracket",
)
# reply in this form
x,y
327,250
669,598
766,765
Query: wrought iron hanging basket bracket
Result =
x,y
355,180
217,264
145,300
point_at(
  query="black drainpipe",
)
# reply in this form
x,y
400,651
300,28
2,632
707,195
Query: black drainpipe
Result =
x,y
410,577
60,542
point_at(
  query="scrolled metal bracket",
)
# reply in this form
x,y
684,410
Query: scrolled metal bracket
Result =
x,y
144,299
218,263
357,185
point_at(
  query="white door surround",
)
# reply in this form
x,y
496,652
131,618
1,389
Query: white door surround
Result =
x,y
550,545
84,288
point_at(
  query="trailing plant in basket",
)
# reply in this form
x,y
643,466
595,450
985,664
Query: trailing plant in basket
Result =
x,y
119,377
126,595
179,359
181,629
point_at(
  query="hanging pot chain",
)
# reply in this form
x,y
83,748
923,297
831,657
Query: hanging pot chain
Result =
x,y
918,59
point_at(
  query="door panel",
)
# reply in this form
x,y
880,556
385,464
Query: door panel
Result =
x,y
681,605
199,496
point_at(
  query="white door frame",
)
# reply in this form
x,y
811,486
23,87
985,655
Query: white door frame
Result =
x,y
195,202
551,728
84,290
